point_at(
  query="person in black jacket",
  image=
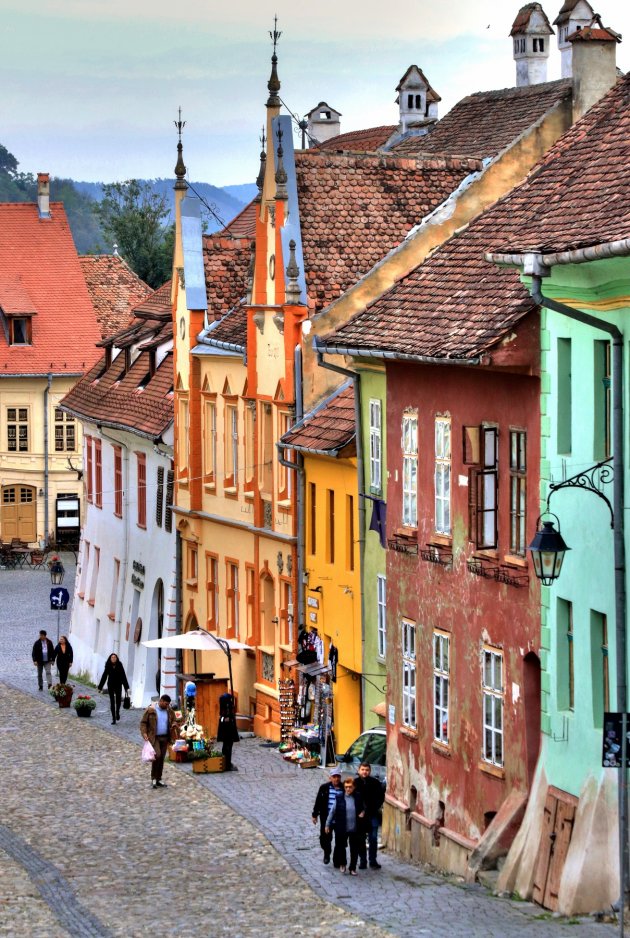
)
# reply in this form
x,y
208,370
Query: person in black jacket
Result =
x,y
227,732
346,816
43,655
373,797
114,674
64,657
326,795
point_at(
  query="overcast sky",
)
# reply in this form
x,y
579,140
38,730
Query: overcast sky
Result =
x,y
90,88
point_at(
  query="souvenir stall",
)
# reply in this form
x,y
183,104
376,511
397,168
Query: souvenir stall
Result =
x,y
306,708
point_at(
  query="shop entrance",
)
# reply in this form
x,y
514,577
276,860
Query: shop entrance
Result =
x,y
558,820
18,513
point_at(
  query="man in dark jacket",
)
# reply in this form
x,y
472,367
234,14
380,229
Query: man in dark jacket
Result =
x,y
373,796
43,655
324,801
159,726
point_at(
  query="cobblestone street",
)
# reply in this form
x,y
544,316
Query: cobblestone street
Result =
x,y
88,849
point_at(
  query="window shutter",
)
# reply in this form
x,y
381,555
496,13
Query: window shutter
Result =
x,y
471,445
159,504
168,512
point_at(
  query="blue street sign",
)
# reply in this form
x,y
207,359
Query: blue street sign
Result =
x,y
59,598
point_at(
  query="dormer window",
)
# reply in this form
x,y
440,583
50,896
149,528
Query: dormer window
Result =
x,y
539,45
20,330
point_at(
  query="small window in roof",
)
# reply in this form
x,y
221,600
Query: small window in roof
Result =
x,y
410,101
20,331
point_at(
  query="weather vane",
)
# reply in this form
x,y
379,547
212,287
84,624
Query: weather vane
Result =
x,y
275,35
180,124
263,139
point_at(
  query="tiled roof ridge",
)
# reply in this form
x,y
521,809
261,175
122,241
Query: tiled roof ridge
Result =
x,y
517,91
227,241
392,160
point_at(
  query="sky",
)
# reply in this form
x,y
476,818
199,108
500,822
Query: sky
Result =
x,y
90,88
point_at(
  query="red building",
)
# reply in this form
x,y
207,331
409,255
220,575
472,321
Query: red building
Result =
x,y
461,349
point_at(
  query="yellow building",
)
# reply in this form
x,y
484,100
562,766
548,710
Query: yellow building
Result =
x,y
326,438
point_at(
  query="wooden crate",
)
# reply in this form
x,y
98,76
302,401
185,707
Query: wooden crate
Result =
x,y
213,764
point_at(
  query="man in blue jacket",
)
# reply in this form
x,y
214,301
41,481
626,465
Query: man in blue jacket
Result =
x,y
324,801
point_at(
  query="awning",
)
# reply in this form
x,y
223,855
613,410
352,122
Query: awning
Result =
x,y
314,670
380,709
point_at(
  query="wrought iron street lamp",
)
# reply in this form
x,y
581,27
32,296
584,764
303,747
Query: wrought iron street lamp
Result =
x,y
57,571
547,549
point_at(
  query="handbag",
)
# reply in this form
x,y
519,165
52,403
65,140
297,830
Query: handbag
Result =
x,y
126,702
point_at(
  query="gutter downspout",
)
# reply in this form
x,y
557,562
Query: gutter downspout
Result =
x,y
619,545
46,456
298,466
122,578
356,379
178,599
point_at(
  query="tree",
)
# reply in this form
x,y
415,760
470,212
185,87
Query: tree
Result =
x,y
132,216
8,163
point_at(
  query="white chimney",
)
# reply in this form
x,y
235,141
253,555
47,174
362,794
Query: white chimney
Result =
x,y
323,124
574,15
43,195
530,34
594,65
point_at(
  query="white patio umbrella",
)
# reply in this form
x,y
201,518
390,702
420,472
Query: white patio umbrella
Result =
x,y
200,640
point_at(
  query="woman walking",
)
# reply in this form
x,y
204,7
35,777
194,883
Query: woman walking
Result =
x,y
63,656
345,816
114,674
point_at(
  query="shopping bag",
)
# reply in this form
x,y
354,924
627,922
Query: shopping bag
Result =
x,y
126,702
148,752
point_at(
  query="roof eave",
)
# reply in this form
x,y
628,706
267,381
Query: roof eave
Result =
x,y
113,425
389,355
595,252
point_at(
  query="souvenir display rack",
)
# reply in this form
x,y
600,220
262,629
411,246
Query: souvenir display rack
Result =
x,y
286,690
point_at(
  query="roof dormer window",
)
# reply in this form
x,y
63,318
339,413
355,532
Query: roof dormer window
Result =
x,y
20,330
539,45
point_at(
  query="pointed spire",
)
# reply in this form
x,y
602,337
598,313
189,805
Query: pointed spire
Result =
x,y
274,82
260,181
292,290
281,175
180,168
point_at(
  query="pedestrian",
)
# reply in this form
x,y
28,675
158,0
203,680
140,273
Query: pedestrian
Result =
x,y
43,656
326,796
227,733
159,726
114,674
63,658
346,816
373,796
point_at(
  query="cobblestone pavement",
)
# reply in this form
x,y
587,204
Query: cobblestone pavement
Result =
x,y
95,868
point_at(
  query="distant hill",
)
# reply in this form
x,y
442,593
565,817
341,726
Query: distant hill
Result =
x,y
225,202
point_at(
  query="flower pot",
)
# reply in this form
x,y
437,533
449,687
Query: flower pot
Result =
x,y
84,712
65,701
212,764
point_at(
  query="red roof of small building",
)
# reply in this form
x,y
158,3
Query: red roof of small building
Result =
x,y
115,289
484,124
226,263
360,141
232,329
330,428
565,12
40,268
594,34
523,17
354,208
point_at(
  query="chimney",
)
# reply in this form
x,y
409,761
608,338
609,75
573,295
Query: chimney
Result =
x,y
594,65
323,124
43,195
530,35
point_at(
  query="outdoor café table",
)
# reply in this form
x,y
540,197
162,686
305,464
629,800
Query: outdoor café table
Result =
x,y
22,556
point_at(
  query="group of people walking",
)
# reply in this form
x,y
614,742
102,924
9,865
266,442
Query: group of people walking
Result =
x,y
45,654
351,812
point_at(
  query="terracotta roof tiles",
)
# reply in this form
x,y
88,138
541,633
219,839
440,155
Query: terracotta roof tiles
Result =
x,y
226,262
329,428
115,289
523,17
244,224
232,329
363,141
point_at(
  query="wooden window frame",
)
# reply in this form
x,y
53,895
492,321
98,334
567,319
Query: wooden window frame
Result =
x,y
443,476
21,419
118,482
98,473
89,477
210,416
232,597
141,485
230,446
212,592
65,431
375,411
518,492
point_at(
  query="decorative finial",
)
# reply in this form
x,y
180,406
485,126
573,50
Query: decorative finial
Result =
x,y
281,175
250,271
180,169
274,82
263,162
115,249
293,271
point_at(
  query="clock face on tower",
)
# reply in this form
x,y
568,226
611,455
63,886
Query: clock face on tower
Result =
x,y
182,328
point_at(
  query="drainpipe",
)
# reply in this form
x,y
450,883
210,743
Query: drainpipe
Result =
x,y
125,560
46,452
356,379
179,668
619,537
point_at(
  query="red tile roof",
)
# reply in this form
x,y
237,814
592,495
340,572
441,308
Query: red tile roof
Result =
x,y
565,12
362,141
594,34
226,263
114,289
15,299
523,17
354,208
231,330
244,225
329,428
39,255
483,124
156,303
579,194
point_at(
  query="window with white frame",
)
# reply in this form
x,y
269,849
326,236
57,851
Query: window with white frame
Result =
x,y
487,522
443,475
410,469
210,441
17,429
381,621
441,685
492,699
409,673
375,446
518,492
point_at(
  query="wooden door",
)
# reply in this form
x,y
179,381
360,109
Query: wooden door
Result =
x,y
558,820
19,513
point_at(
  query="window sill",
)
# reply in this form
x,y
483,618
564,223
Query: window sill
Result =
x,y
192,584
230,490
117,515
409,733
441,748
514,560
487,554
249,495
267,649
210,487
496,771
441,540
410,533
284,504
81,595
91,602
142,527
285,648
111,616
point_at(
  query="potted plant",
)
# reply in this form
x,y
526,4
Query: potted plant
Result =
x,y
62,694
84,704
206,760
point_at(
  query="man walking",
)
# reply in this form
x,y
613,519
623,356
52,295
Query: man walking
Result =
x,y
43,656
159,726
373,796
326,796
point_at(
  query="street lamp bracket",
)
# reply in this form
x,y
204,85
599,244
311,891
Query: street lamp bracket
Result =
x,y
590,480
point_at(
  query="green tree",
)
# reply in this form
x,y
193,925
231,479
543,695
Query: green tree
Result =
x,y
132,216
8,163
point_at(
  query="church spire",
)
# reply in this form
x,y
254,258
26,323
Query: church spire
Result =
x,y
274,82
